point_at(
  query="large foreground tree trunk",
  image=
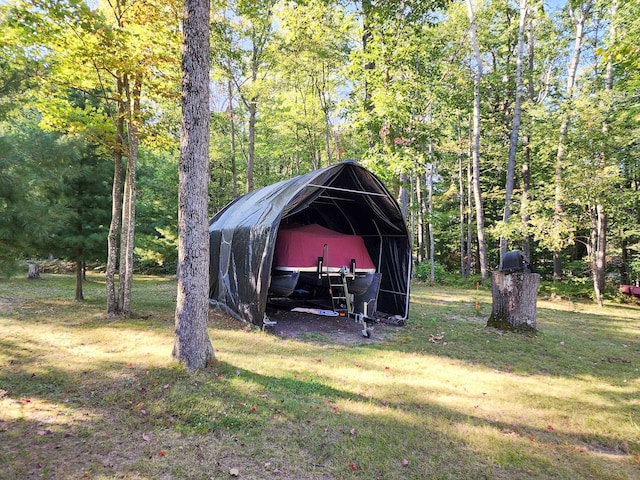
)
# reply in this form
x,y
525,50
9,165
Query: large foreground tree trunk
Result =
x,y
514,301
192,346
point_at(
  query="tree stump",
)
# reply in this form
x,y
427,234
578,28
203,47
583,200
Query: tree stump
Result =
x,y
514,301
34,271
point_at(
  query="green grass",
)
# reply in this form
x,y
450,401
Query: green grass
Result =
x,y
81,396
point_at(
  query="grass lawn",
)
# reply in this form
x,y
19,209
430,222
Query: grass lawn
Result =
x,y
83,397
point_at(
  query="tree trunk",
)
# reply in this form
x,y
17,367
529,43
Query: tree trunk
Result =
x,y
526,154
515,129
432,255
600,254
127,237
420,212
475,145
192,345
79,275
34,271
232,128
251,148
116,213
514,301
469,210
579,17
403,196
463,272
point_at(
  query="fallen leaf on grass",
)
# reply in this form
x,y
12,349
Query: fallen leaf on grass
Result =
x,y
234,472
145,437
617,360
353,466
436,338
405,462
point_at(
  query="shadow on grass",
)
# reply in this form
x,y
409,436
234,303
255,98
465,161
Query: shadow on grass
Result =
x,y
115,420
112,418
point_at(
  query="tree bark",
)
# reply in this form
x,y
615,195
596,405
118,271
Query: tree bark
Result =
x,y
514,301
526,154
469,210
579,17
192,345
34,271
251,148
432,244
79,277
515,129
420,213
600,254
232,129
127,236
475,145
463,272
367,13
403,195
116,212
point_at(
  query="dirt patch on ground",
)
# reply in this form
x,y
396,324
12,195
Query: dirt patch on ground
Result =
x,y
7,304
341,330
316,328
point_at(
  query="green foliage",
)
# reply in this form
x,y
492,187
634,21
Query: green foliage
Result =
x,y
157,234
398,104
572,288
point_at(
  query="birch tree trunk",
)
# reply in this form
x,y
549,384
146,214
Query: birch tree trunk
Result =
x,y
420,211
251,148
113,309
367,10
600,254
579,16
526,155
232,129
475,145
127,236
515,129
403,195
192,346
432,257
461,213
469,207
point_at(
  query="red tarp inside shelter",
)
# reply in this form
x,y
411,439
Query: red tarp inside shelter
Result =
x,y
300,247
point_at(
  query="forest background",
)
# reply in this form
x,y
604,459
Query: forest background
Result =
x,y
498,125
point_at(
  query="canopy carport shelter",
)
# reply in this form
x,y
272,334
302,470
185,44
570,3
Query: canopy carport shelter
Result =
x,y
344,198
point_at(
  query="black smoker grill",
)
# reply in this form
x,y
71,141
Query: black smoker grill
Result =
x,y
514,261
